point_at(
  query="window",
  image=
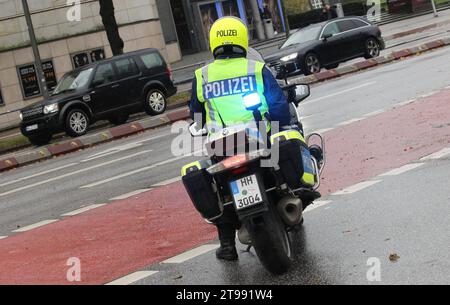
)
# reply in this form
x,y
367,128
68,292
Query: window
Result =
x,y
73,80
316,4
87,57
152,60
2,102
29,80
302,36
104,74
346,25
359,23
126,68
331,28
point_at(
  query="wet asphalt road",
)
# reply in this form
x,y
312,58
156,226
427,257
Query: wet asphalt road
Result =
x,y
48,189
405,215
375,222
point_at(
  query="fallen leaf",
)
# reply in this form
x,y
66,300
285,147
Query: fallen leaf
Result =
x,y
394,257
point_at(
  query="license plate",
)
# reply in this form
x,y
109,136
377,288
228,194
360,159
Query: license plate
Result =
x,y
32,127
246,192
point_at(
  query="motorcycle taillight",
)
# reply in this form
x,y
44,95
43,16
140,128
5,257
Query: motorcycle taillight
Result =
x,y
239,170
234,161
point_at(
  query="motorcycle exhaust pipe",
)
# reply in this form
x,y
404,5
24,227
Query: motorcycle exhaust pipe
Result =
x,y
291,210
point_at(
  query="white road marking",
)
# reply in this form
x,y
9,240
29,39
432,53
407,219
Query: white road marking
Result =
x,y
3,237
191,254
100,156
429,94
132,278
338,93
405,102
84,209
111,151
131,173
402,169
131,194
323,130
305,117
317,204
357,187
124,147
168,181
437,155
350,121
73,173
374,113
153,138
36,225
38,174
117,177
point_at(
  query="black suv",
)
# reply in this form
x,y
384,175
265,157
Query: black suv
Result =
x,y
111,89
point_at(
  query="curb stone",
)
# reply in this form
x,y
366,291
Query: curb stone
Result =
x,y
68,146
311,79
8,164
346,69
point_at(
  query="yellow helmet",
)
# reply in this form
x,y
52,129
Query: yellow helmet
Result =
x,y
228,31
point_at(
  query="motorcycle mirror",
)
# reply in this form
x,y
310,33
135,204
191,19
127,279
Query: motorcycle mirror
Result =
x,y
302,92
282,73
195,132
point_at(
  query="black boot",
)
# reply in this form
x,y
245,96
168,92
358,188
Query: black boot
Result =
x,y
227,250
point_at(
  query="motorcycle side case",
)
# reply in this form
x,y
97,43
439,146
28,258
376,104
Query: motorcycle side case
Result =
x,y
199,186
295,160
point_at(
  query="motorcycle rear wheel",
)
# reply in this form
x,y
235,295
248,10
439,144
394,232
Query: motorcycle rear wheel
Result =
x,y
271,242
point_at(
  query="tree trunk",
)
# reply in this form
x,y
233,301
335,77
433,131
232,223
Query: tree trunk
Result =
x,y
111,28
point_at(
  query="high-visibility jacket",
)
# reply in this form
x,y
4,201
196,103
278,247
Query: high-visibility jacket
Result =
x,y
221,86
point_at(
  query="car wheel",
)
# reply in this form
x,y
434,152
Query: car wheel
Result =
x,y
119,119
155,102
312,64
372,48
77,123
333,66
40,139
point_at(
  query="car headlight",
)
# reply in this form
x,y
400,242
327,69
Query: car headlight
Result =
x,y
21,116
51,108
289,57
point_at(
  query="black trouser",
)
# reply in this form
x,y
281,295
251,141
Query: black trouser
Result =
x,y
227,225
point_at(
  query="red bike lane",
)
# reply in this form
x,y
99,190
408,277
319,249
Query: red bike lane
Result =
x,y
127,235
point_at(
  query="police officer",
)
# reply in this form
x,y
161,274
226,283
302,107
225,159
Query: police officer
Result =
x,y
217,94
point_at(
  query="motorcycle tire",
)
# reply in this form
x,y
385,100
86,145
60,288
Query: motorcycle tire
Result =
x,y
271,242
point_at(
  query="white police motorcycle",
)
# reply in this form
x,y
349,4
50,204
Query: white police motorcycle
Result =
x,y
267,194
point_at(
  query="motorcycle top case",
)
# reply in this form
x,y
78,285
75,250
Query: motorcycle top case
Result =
x,y
295,161
199,186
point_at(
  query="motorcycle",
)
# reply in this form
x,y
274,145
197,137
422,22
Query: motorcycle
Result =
x,y
268,200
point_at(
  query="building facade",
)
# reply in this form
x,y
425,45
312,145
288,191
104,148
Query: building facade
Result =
x,y
194,18
65,44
